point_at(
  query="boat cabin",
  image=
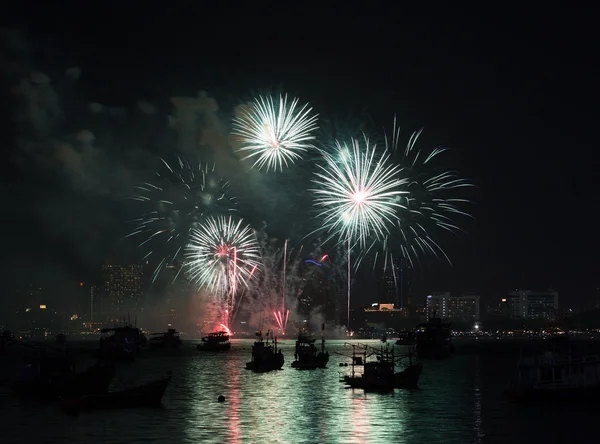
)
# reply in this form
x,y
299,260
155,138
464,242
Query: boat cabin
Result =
x,y
553,370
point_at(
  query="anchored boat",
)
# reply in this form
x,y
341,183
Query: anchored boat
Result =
x,y
168,339
380,374
147,395
557,375
265,356
216,341
307,356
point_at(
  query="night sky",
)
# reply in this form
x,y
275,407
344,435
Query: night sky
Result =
x,y
513,95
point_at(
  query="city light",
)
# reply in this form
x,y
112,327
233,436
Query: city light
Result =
x,y
42,307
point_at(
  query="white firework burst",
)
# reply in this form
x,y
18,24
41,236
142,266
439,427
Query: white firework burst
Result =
x,y
181,196
275,135
431,203
222,255
360,195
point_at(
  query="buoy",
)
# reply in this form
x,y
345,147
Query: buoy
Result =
x,y
221,398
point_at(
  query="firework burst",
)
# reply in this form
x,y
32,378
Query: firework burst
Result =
x,y
177,201
431,203
275,135
222,256
359,195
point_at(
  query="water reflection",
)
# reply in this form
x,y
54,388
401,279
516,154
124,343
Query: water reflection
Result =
x,y
360,426
232,417
479,434
459,401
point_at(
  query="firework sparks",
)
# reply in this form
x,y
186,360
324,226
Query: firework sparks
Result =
x,y
222,256
431,202
359,195
280,281
176,202
275,135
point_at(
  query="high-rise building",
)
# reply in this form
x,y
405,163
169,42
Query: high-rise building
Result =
x,y
454,308
392,283
316,291
94,302
437,305
527,304
123,289
406,285
389,288
464,308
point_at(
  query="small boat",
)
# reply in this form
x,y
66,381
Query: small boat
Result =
x,y
121,343
53,378
265,356
216,341
380,375
434,339
147,395
307,356
168,339
557,375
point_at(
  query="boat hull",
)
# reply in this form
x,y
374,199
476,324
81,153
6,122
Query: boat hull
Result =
x,y
407,379
148,395
275,362
304,365
93,381
311,362
441,351
367,384
550,395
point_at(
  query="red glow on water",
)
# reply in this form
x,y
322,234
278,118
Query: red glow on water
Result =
x,y
233,401
361,424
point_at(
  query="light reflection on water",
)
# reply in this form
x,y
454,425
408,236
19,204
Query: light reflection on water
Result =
x,y
459,401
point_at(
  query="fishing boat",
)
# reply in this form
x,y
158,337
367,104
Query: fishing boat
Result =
x,y
307,356
147,395
55,377
557,375
216,341
380,375
121,343
265,356
434,339
168,339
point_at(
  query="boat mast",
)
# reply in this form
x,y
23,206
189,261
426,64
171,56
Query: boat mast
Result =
x,y
283,287
353,358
